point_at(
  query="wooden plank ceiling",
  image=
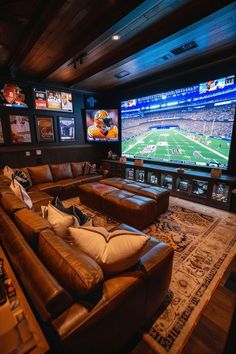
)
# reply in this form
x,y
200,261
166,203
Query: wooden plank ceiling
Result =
x,y
69,42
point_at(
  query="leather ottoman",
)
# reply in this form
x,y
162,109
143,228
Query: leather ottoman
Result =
x,y
91,194
135,210
160,195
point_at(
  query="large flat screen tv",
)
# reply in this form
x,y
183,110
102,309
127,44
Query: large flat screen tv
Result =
x,y
102,125
188,126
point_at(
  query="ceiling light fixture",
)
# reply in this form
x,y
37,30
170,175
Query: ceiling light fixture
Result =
x,y
115,37
122,74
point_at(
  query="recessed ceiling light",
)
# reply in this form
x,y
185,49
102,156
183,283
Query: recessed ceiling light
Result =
x,y
115,37
121,74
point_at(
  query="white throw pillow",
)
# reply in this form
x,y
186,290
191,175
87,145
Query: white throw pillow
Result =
x,y
21,193
114,251
60,221
8,172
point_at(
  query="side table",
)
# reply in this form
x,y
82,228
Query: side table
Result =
x,y
26,336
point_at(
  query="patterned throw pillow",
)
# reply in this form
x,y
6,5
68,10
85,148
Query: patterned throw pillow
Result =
x,y
21,193
72,210
90,169
114,251
22,178
59,221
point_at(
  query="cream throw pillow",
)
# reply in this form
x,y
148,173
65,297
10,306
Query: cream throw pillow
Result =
x,y
114,251
60,221
8,172
21,193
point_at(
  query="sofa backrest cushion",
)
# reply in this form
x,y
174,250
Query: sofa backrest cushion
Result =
x,y
40,174
48,296
11,203
61,171
77,168
76,271
31,224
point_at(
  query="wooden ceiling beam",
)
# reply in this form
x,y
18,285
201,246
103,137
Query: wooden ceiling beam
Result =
x,y
210,61
184,16
112,12
43,14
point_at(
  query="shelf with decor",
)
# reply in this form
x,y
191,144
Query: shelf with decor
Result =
x,y
194,185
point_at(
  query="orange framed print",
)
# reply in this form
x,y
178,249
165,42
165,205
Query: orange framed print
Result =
x,y
45,129
20,129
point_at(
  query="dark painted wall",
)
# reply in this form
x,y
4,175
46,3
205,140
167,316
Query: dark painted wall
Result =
x,y
17,155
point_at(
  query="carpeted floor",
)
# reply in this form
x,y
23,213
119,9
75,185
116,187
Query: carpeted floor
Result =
x,y
204,240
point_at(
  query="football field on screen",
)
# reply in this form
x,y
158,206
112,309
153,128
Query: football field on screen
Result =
x,y
177,144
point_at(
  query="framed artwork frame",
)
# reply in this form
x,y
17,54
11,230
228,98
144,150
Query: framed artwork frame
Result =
x,y
45,129
13,95
51,100
66,127
20,129
1,133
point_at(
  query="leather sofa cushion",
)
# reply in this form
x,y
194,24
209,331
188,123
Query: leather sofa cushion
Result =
x,y
39,198
40,174
11,203
76,271
61,171
77,168
31,224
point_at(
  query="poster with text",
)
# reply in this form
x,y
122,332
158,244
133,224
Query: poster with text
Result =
x,y
45,129
20,129
53,100
66,128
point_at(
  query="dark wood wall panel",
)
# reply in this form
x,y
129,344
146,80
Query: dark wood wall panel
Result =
x,y
55,154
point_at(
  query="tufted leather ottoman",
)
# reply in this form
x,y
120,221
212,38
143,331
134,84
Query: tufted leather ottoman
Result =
x,y
91,194
160,195
135,210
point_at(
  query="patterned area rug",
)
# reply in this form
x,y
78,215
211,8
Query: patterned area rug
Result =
x,y
204,244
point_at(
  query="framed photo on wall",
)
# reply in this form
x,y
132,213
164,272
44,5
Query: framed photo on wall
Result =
x,y
20,129
45,129
66,128
13,95
1,133
53,100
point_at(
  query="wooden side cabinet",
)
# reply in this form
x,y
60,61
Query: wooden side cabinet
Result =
x,y
197,186
25,336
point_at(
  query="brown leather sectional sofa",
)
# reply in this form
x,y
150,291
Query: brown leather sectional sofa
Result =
x,y
84,310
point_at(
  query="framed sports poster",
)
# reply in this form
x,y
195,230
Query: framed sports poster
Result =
x,y
45,129
20,129
53,100
1,133
66,128
12,95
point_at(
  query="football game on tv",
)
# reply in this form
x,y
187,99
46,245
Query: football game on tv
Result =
x,y
102,124
189,126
